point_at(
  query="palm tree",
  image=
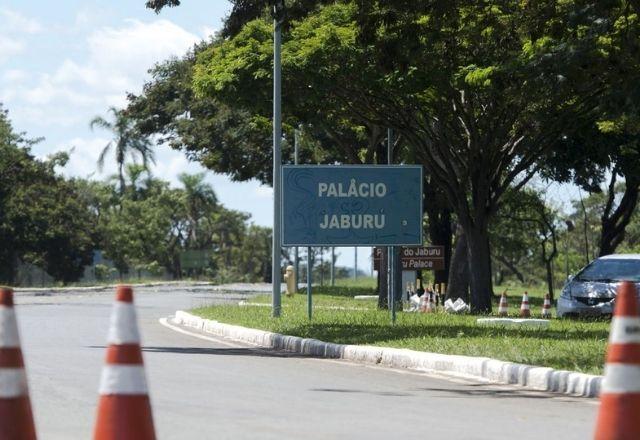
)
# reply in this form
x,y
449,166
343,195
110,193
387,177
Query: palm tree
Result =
x,y
200,199
126,141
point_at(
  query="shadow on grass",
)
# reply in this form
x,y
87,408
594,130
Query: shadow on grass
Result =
x,y
354,333
340,291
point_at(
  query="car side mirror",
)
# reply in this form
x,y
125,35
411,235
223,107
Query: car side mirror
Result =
x,y
569,278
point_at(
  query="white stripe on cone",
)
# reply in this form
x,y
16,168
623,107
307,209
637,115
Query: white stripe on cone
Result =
x,y
13,383
621,378
8,328
625,330
123,379
123,328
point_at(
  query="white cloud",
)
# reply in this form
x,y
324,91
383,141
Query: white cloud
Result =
x,y
9,47
14,22
83,18
170,164
208,32
117,62
264,192
137,46
14,76
84,157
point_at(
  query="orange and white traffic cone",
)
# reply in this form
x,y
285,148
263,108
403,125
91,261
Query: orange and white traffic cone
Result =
x,y
16,417
525,311
620,393
546,307
124,410
503,309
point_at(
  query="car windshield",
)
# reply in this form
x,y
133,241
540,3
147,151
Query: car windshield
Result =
x,y
611,270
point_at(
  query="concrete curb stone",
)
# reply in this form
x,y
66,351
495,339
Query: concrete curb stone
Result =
x,y
492,370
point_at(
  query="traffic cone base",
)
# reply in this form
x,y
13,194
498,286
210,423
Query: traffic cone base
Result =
x,y
620,393
125,418
18,412
620,420
16,417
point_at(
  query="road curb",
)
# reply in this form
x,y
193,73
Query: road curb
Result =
x,y
527,376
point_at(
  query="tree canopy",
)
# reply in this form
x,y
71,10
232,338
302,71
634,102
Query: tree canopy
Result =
x,y
485,96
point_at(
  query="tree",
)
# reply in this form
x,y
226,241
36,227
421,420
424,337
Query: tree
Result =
x,y
200,201
42,218
229,129
606,145
126,141
478,92
335,56
524,234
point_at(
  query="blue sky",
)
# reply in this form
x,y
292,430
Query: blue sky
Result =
x,y
64,62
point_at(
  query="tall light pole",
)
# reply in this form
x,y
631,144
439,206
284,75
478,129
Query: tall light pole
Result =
x,y
278,18
296,264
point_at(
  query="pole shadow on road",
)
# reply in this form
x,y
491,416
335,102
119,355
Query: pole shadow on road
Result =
x,y
474,390
259,352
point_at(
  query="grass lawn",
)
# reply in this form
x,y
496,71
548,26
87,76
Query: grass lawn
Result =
x,y
566,344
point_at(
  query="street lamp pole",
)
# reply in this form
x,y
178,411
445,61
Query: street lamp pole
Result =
x,y
278,18
296,264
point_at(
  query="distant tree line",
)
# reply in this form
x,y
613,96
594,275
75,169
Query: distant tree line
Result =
x,y
137,220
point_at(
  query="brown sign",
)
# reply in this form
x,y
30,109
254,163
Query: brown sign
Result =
x,y
416,258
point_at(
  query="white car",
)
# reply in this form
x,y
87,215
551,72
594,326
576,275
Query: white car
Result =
x,y
592,291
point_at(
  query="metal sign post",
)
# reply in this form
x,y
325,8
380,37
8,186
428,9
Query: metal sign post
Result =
x,y
355,263
309,271
333,266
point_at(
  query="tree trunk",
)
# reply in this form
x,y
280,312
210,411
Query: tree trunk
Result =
x,y
440,234
549,266
8,266
458,283
479,269
615,221
587,257
440,229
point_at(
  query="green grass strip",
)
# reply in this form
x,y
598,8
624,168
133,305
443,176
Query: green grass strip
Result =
x,y
565,344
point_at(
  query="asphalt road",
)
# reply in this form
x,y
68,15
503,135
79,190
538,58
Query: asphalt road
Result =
x,y
206,389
